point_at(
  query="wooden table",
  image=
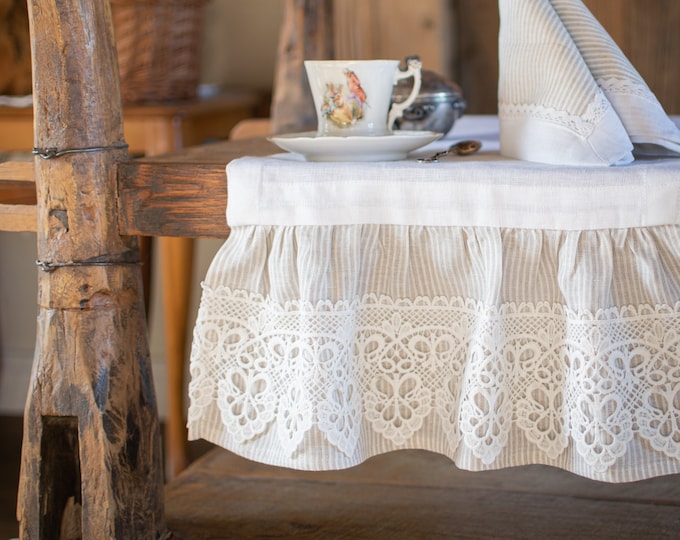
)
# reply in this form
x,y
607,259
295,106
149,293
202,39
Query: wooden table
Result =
x,y
150,130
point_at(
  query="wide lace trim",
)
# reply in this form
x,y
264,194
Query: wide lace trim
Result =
x,y
584,382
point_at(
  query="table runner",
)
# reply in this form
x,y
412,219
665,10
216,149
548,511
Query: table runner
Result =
x,y
486,189
317,346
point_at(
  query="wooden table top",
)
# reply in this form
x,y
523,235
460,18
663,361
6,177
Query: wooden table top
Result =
x,y
183,193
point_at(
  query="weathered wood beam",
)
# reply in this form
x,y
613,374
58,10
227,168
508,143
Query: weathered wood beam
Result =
x,y
306,34
183,194
158,200
18,210
91,456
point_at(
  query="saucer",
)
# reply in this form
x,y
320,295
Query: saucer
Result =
x,y
391,147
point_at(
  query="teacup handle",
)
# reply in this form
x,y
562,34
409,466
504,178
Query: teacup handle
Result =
x,y
413,69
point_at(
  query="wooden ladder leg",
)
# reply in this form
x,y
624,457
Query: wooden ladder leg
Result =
x,y
91,462
90,428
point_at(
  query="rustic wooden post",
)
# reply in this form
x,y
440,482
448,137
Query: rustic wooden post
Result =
x,y
306,34
91,464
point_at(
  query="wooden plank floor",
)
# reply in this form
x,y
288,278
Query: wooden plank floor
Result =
x,y
413,495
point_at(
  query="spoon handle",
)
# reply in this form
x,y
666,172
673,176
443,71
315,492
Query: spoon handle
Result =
x,y
461,148
435,157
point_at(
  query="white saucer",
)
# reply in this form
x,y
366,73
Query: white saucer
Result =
x,y
358,148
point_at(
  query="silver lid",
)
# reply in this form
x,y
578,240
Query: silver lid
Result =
x,y
438,105
434,89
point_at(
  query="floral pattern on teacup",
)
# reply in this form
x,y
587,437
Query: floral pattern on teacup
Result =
x,y
343,104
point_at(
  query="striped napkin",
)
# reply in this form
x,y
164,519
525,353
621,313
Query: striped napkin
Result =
x,y
568,95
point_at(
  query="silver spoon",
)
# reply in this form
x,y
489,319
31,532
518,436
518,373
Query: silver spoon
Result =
x,y
461,148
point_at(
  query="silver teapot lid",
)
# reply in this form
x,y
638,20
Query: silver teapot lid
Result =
x,y
434,89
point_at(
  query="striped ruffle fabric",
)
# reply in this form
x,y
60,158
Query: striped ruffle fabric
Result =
x,y
319,347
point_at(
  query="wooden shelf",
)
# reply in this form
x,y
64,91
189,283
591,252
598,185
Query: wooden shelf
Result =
x,y
149,127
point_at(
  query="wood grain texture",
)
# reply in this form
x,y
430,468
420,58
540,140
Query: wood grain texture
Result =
x,y
15,49
369,29
13,192
18,171
184,194
91,463
476,65
18,210
170,200
306,34
177,257
18,217
413,495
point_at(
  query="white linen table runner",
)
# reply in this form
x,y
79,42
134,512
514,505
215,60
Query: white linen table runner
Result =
x,y
496,311
487,190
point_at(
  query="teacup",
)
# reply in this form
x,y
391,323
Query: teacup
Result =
x,y
352,97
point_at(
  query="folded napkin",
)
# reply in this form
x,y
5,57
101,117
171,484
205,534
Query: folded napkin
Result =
x,y
568,95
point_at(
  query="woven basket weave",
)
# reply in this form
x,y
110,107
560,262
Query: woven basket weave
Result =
x,y
159,48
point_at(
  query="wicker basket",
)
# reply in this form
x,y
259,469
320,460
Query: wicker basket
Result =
x,y
159,48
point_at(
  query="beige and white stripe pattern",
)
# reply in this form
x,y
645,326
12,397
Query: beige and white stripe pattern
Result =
x,y
640,112
583,270
567,94
318,347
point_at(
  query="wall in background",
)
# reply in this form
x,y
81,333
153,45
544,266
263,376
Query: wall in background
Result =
x,y
18,293
240,43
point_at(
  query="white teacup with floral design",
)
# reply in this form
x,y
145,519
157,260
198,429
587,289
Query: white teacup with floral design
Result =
x,y
352,97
